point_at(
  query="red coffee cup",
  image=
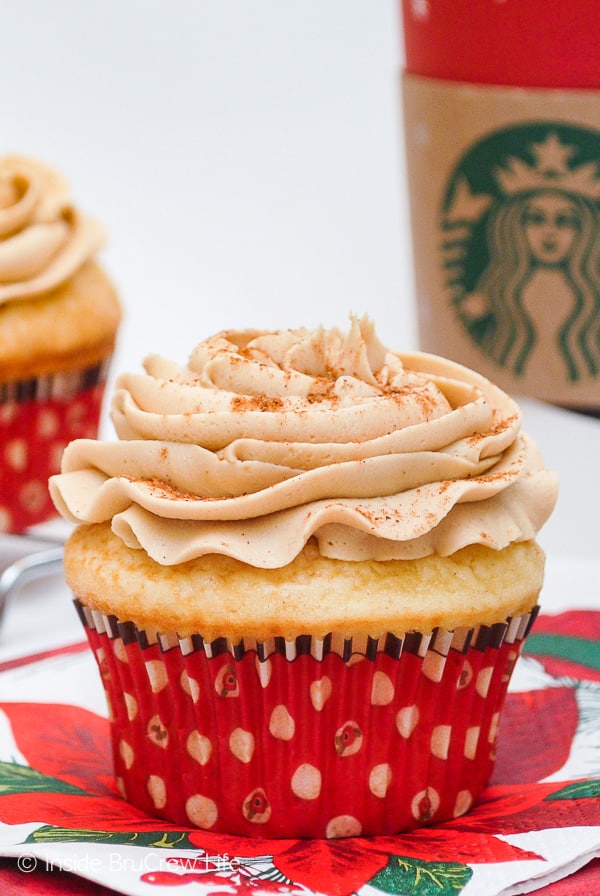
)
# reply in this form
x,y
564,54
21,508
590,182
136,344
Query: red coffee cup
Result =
x,y
527,43
501,104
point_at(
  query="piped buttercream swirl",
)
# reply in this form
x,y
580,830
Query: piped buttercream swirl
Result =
x,y
266,439
44,239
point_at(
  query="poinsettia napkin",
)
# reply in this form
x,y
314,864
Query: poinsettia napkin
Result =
x,y
538,820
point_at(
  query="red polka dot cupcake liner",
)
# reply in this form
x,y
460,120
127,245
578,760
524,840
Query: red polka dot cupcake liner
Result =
x,y
38,417
309,738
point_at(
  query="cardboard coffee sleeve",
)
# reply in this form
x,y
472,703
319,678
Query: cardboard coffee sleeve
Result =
x,y
504,187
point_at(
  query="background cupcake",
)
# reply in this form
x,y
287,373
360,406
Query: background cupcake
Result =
x,y
306,570
59,315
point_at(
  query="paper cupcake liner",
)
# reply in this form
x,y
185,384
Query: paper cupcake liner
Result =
x,y
304,738
38,417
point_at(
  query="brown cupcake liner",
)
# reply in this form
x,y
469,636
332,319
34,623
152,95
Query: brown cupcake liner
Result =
x,y
54,386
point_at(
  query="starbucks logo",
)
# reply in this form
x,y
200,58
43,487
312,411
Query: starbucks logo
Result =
x,y
521,248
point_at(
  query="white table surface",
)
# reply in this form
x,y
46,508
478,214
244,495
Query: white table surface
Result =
x,y
246,160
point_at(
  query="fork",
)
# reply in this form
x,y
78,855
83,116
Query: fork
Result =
x,y
40,562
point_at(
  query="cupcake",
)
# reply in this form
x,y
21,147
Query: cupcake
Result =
x,y
58,319
306,569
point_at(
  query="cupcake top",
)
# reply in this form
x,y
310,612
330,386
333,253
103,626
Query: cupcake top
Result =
x,y
50,280
264,440
44,239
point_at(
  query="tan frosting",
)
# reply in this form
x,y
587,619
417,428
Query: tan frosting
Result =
x,y
43,238
266,439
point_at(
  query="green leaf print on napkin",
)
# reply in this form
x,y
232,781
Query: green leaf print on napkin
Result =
x,y
419,878
15,778
589,788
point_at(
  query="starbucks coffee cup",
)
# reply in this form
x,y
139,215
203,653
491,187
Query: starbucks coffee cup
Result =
x,y
502,128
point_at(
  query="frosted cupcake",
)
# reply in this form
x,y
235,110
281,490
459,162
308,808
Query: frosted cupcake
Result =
x,y
58,319
306,570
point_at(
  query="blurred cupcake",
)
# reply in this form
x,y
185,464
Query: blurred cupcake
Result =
x,y
306,571
59,315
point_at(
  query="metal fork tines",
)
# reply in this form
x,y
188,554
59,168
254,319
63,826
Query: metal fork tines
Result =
x,y
35,563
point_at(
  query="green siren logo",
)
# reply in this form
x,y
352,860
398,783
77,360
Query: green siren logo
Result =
x,y
521,249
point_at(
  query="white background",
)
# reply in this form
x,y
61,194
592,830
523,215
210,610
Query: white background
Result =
x,y
243,155
246,160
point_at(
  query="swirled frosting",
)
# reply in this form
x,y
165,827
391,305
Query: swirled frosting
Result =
x,y
43,238
266,439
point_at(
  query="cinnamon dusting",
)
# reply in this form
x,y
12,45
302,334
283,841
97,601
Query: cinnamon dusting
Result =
x,y
166,491
498,429
270,403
